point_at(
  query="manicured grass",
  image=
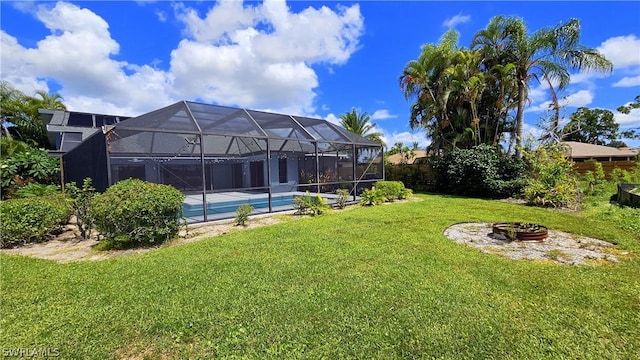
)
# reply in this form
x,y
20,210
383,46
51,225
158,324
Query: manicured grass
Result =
x,y
379,282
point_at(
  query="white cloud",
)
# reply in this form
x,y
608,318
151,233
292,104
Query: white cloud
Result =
x,y
630,120
257,56
577,99
628,81
382,114
262,56
332,118
406,137
587,76
161,15
77,54
458,19
622,51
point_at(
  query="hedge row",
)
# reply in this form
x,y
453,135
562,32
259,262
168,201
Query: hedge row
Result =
x,y
130,213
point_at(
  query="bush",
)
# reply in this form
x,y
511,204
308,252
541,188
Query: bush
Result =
x,y
626,176
242,213
134,212
480,172
32,219
405,194
552,181
341,199
595,180
28,166
372,197
307,204
390,189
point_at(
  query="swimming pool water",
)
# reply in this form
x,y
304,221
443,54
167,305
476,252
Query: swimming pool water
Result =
x,y
194,210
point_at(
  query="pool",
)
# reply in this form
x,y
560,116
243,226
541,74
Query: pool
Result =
x,y
221,207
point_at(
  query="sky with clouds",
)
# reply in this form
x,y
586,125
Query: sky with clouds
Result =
x,y
318,58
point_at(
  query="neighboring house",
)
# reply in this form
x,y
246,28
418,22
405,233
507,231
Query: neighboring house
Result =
x,y
67,129
609,157
579,152
402,158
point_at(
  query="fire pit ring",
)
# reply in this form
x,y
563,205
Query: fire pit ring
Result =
x,y
521,231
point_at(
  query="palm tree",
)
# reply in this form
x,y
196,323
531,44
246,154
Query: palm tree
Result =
x,y
467,80
547,53
426,81
359,124
47,101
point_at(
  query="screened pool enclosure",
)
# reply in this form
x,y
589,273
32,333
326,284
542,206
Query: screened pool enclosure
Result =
x,y
222,157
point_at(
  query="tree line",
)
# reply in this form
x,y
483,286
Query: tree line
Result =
x,y
467,96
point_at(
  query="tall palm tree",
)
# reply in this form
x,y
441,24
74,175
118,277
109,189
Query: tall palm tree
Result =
x,y
425,80
467,80
549,53
361,125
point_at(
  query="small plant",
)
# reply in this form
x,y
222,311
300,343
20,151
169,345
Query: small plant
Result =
x,y
81,202
555,254
372,197
314,205
242,214
341,200
37,190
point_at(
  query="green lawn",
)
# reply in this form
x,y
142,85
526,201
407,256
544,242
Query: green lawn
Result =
x,y
379,282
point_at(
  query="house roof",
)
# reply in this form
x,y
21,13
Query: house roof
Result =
x,y
578,150
397,158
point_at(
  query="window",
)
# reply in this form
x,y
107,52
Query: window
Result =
x,y
282,169
80,119
70,140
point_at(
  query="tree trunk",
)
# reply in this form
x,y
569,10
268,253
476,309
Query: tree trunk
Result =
x,y
522,97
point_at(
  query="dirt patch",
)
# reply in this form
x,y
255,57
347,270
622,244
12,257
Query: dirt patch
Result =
x,y
69,246
560,247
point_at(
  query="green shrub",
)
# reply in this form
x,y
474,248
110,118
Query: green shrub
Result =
x,y
32,219
81,203
37,190
242,214
8,147
29,166
134,212
390,189
341,199
405,194
372,197
482,171
552,181
307,204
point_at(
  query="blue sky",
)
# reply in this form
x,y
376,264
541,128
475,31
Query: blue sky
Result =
x,y
317,58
